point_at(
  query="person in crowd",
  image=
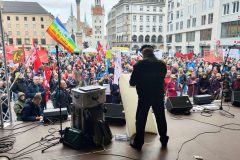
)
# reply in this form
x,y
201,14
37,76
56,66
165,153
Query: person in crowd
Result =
x,y
172,87
204,86
233,74
77,72
31,110
101,73
115,92
71,82
53,82
20,83
236,84
226,87
148,76
192,85
105,81
216,86
182,80
19,104
63,99
167,79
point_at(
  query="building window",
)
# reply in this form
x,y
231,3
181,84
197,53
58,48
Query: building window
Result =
x,y
35,34
154,9
154,18
42,19
43,41
210,18
194,21
134,28
181,25
141,18
160,39
188,23
177,14
141,28
18,41
17,18
203,22
34,26
148,18
134,38
27,41
33,19
35,40
147,28
17,27
230,29
127,7
26,33
211,4
140,38
134,18
205,35
190,36
42,26
18,33
160,19
25,18
177,26
171,27
9,25
153,39
148,8
178,37
9,33
169,38
235,6
10,40
204,5
141,8
8,18
160,29
226,9
147,39
26,26
154,29
171,16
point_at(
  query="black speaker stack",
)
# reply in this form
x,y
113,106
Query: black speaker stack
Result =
x,y
179,105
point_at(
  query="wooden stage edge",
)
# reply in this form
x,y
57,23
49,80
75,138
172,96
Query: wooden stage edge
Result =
x,y
213,142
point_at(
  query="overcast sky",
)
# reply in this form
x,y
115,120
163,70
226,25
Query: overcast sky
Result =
x,y
62,8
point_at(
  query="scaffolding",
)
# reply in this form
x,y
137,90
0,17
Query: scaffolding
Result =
x,y
5,107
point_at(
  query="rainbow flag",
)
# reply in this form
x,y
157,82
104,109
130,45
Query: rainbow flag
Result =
x,y
59,33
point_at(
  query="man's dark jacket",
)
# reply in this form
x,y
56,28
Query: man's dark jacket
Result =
x,y
30,111
19,86
148,77
32,89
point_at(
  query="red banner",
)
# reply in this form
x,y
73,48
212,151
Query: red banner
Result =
x,y
181,55
213,56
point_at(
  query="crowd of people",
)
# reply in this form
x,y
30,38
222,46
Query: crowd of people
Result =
x,y
184,76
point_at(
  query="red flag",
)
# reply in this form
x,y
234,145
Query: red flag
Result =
x,y
37,62
78,61
211,57
9,50
99,57
47,73
43,55
100,49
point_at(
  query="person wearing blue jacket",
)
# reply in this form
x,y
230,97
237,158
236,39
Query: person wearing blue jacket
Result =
x,y
31,110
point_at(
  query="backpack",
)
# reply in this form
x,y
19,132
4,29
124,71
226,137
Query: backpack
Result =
x,y
102,134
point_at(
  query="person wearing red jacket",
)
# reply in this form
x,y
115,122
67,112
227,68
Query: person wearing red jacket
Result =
x,y
172,87
236,84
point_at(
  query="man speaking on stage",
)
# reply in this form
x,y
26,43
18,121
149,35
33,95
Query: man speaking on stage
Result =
x,y
148,77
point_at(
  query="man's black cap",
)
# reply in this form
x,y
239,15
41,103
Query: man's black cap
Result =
x,y
146,46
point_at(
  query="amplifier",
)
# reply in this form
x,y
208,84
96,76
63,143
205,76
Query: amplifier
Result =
x,y
87,97
236,98
202,99
54,114
179,105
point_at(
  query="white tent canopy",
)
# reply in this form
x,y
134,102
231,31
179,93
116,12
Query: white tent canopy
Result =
x,y
90,50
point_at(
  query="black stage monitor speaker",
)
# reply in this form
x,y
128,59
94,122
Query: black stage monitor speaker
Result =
x,y
114,111
202,99
236,98
179,105
52,115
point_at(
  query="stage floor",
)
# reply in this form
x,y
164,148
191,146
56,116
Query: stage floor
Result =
x,y
211,146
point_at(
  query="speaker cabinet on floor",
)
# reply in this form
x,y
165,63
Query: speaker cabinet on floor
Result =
x,y
179,105
236,98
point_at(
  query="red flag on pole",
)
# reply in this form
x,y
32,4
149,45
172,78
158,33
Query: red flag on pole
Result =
x,y
37,62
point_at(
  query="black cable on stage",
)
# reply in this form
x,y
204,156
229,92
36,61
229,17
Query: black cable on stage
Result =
x,y
13,128
219,126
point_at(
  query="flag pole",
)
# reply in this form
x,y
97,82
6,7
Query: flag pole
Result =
x,y
6,75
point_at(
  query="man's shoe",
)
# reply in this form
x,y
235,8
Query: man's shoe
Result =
x,y
164,141
135,146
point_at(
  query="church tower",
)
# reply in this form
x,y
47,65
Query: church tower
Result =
x,y
98,24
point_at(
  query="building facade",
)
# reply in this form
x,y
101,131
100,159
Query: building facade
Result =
x,y
132,23
25,22
229,22
196,26
98,23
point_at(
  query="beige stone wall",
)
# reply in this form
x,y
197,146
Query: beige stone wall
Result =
x,y
28,29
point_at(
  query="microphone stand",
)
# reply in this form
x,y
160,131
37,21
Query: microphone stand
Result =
x,y
58,103
221,105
